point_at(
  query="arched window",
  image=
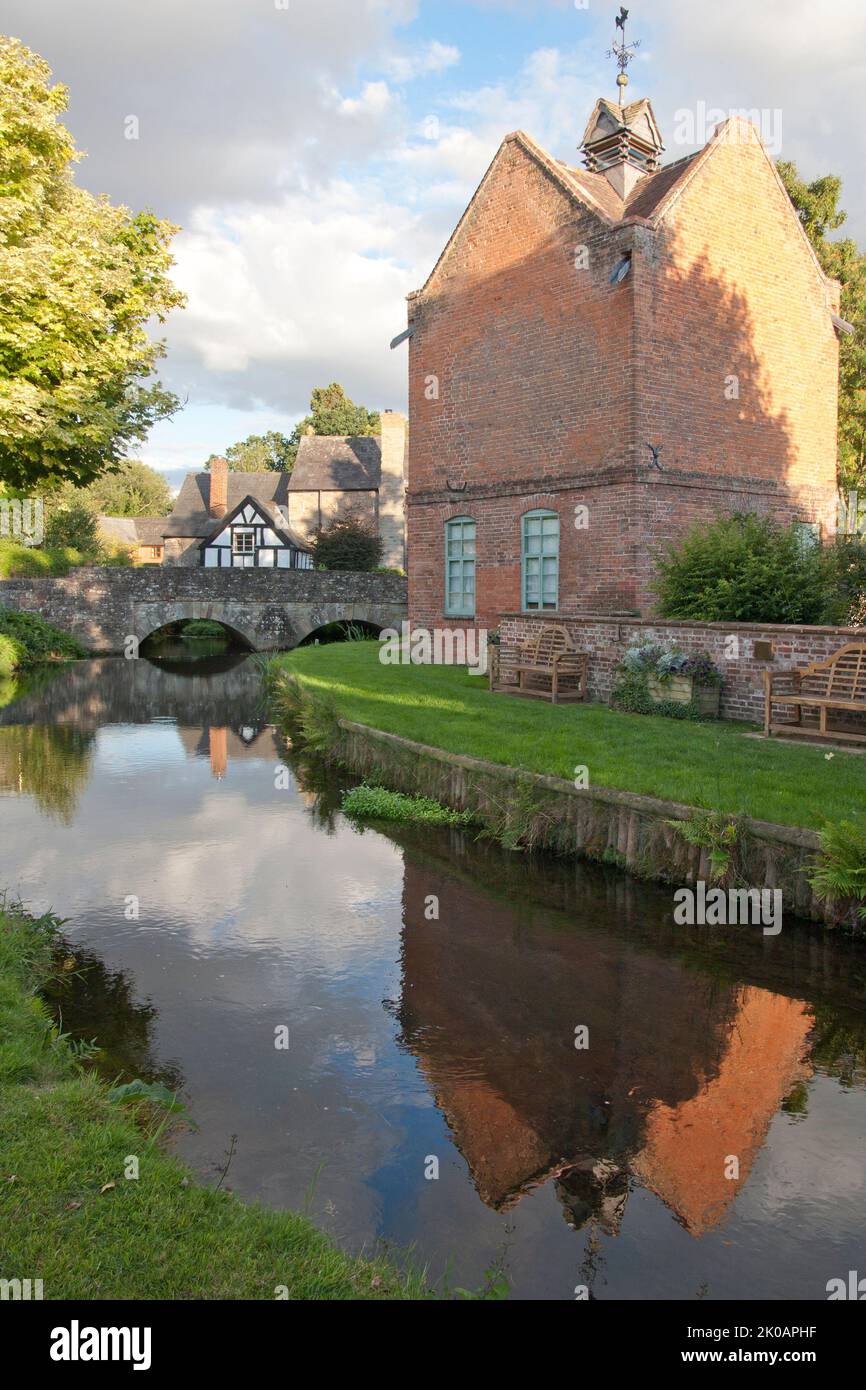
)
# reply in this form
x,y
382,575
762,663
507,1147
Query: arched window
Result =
x,y
539,560
460,567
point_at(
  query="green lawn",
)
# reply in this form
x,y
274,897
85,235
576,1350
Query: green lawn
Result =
x,y
70,1217
713,764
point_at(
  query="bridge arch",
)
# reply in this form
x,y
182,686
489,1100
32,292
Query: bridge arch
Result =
x,y
162,616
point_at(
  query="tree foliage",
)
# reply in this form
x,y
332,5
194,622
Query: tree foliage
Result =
x,y
817,206
332,412
131,489
742,568
347,545
260,453
79,280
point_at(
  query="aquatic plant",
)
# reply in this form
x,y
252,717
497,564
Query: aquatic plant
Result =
x,y
368,802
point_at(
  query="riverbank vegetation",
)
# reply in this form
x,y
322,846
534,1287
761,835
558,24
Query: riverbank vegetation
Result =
x,y
716,766
368,802
28,640
72,1214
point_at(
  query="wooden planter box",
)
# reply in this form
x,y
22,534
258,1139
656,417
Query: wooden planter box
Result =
x,y
681,690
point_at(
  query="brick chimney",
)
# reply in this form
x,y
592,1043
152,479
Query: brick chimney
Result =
x,y
219,488
392,489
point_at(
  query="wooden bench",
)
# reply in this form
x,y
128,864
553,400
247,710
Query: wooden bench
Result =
x,y
839,683
549,667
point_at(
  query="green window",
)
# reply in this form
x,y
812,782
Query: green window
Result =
x,y
460,567
540,560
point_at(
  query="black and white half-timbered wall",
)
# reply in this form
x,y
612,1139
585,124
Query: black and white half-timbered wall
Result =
x,y
248,538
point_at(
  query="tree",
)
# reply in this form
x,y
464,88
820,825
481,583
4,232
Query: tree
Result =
x,y
347,545
332,412
260,453
80,279
817,206
131,489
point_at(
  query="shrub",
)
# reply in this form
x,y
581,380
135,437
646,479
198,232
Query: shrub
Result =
x,y
36,639
743,568
72,525
845,581
347,545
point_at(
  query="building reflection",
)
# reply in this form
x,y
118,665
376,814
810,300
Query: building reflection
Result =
x,y
676,1090
223,745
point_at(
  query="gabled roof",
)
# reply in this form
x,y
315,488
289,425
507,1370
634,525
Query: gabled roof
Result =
x,y
337,463
190,515
132,530
269,511
650,200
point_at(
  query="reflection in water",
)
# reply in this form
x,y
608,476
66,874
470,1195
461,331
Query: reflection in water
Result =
x,y
94,1002
609,1164
50,763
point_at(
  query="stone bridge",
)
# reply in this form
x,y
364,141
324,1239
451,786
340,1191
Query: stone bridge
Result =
x,y
270,610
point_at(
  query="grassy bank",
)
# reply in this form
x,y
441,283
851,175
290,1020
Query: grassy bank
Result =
x,y
713,765
71,1218
28,640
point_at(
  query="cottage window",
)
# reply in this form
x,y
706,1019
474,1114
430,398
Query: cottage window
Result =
x,y
243,541
540,560
460,567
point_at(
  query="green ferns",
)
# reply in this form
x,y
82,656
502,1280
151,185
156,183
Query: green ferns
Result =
x,y
719,835
840,868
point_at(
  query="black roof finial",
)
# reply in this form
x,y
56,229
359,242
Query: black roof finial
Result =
x,y
623,52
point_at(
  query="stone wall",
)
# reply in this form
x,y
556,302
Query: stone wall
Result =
x,y
634,832
758,647
271,610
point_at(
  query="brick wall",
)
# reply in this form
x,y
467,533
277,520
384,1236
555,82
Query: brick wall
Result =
x,y
533,383
606,640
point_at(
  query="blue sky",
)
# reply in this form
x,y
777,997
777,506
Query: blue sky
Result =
x,y
317,153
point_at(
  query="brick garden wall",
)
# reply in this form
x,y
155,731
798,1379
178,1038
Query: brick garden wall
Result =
x,y
606,640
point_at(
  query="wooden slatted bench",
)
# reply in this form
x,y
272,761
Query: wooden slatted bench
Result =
x,y
839,683
549,667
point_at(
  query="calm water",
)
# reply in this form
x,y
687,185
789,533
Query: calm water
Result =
x,y
412,1040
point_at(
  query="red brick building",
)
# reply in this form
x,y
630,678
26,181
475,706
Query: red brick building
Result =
x,y
578,317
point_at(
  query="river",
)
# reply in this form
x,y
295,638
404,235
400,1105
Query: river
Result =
x,y
709,1141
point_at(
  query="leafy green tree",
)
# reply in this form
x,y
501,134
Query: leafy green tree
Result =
x,y
71,523
80,279
132,489
332,412
817,206
260,453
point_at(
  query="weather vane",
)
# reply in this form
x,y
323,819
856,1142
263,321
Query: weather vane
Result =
x,y
623,52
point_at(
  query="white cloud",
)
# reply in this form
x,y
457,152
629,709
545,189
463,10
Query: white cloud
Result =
x,y
280,294
435,57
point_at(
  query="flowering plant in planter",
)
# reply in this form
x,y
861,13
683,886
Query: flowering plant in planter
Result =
x,y
661,679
